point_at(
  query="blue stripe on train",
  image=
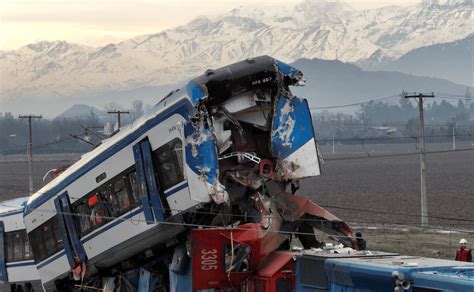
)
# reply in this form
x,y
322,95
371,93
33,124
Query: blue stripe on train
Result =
x,y
21,264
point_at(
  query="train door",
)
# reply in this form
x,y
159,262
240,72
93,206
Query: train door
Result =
x,y
3,256
72,245
152,201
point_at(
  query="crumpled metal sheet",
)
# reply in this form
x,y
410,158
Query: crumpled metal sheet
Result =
x,y
201,157
292,139
295,208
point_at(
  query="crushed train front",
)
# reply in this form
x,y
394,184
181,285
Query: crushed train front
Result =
x,y
249,142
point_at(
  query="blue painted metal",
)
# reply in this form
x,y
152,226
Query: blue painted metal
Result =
x,y
9,213
452,279
182,107
181,281
71,227
195,92
176,189
371,276
288,70
63,230
292,126
3,257
144,281
142,186
201,152
152,183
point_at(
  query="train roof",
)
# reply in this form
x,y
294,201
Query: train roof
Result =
x,y
13,206
213,86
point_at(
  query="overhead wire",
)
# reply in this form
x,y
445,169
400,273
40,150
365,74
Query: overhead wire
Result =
x,y
454,219
228,227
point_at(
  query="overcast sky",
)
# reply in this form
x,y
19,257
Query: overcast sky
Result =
x,y
99,22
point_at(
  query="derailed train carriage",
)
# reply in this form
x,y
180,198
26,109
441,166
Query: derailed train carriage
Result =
x,y
227,149
17,269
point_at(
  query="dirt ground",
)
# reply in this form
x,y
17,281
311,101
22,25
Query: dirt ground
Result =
x,y
382,189
14,172
417,242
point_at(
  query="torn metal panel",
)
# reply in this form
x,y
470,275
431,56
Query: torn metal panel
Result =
x,y
293,141
305,213
294,75
196,92
202,159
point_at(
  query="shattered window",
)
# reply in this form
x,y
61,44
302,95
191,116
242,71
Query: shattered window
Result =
x,y
169,163
83,219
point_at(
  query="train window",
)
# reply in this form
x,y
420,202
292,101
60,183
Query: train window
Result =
x,y
113,199
110,200
132,176
98,208
121,192
118,196
169,161
17,246
46,240
83,220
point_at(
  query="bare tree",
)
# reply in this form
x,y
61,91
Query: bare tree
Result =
x,y
112,106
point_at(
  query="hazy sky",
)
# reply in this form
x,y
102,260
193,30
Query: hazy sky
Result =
x,y
98,22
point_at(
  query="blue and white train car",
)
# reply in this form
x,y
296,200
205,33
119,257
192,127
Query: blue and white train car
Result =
x,y
226,144
17,268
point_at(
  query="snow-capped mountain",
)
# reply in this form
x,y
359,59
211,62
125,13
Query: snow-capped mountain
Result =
x,y
453,61
309,29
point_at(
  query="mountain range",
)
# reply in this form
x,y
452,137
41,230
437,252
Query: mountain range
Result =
x,y
453,61
61,73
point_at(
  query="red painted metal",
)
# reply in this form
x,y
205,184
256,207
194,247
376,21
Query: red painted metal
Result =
x,y
209,255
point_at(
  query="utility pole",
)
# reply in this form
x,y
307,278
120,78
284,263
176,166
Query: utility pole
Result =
x,y
118,113
30,148
454,136
333,146
424,200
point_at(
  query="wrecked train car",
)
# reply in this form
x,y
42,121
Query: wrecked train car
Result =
x,y
17,268
227,149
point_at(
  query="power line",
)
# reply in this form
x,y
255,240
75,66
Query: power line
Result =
x,y
457,219
392,138
356,104
396,154
390,99
42,145
229,228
